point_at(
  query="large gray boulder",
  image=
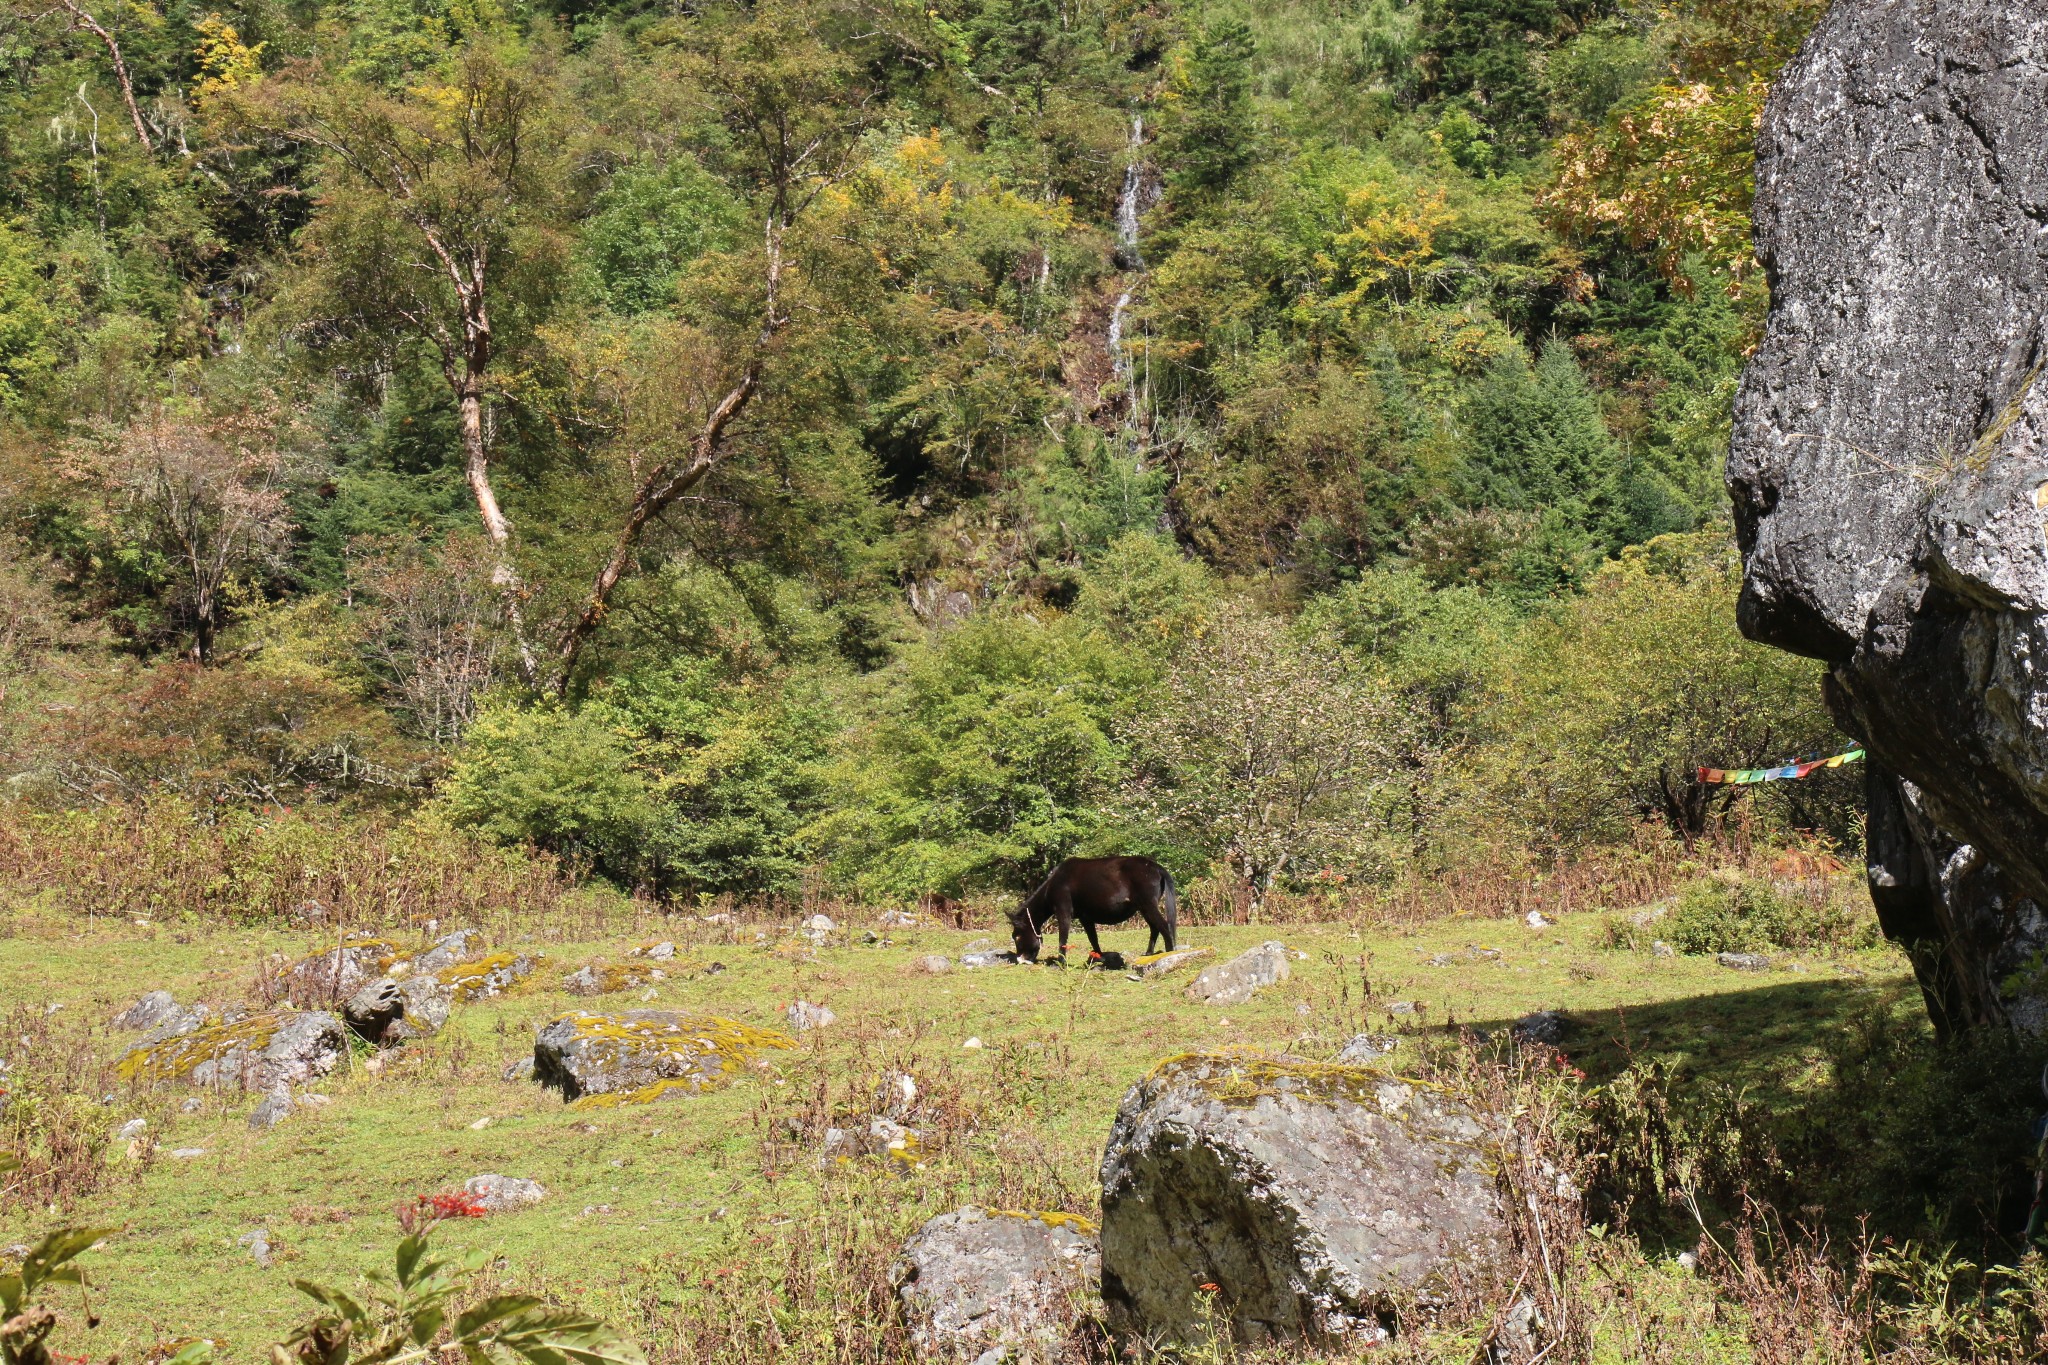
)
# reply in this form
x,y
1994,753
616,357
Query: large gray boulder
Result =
x,y
637,1056
985,1283
1312,1199
1889,472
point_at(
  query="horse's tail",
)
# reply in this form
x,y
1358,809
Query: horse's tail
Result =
x,y
1169,901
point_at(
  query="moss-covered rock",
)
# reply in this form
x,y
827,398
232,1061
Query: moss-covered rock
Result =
x,y
1318,1197
639,1056
260,1052
609,978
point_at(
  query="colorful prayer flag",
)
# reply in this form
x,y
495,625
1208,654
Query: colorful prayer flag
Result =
x,y
1735,777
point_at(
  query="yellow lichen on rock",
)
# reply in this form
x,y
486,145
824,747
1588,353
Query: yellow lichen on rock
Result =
x,y
1085,1226
646,1094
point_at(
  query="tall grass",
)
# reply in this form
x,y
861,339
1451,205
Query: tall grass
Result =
x,y
167,860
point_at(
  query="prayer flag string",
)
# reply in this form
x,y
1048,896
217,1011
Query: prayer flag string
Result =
x,y
1784,772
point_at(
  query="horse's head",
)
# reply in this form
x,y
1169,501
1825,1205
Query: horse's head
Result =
x,y
1024,931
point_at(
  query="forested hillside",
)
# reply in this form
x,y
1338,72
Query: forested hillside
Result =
x,y
854,444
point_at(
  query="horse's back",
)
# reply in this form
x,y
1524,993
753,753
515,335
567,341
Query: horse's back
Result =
x,y
1107,890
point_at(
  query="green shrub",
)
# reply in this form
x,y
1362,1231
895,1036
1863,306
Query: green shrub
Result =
x,y
1720,916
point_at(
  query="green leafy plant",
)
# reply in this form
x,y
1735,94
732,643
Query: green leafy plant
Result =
x,y
25,1330
405,1316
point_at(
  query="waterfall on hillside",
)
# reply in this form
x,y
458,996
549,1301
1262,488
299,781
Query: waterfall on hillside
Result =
x,y
1129,203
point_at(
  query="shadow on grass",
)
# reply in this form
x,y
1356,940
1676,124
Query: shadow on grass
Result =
x,y
1774,1042
1829,1097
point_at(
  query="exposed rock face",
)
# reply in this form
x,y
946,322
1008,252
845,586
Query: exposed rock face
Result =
x,y
1889,471
1313,1197
977,1282
637,1056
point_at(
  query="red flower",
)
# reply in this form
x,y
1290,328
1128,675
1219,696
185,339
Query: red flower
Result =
x,y
460,1204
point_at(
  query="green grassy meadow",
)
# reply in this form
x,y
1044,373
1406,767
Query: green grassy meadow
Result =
x,y
669,1216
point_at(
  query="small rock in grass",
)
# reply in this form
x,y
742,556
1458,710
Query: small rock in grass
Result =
x,y
933,964
258,1242
1536,919
804,1016
275,1109
1236,981
818,927
521,1069
1687,1262
1744,962
716,917
187,1153
1546,1027
504,1193
147,1012
1368,1047
480,1124
897,919
896,1096
972,961
131,1130
655,952
1404,1007
1659,948
972,1044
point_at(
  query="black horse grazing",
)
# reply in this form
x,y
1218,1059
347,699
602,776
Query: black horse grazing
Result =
x,y
1096,891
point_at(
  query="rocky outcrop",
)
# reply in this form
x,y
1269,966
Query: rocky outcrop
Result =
x,y
1890,462
982,1283
1303,1201
638,1056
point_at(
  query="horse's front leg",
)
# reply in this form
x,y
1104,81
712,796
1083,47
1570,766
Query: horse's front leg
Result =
x,y
1094,943
1066,928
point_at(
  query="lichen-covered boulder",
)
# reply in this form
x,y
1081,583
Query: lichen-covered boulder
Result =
x,y
609,978
1314,1197
261,1052
1238,980
638,1056
1165,964
993,1283
491,975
